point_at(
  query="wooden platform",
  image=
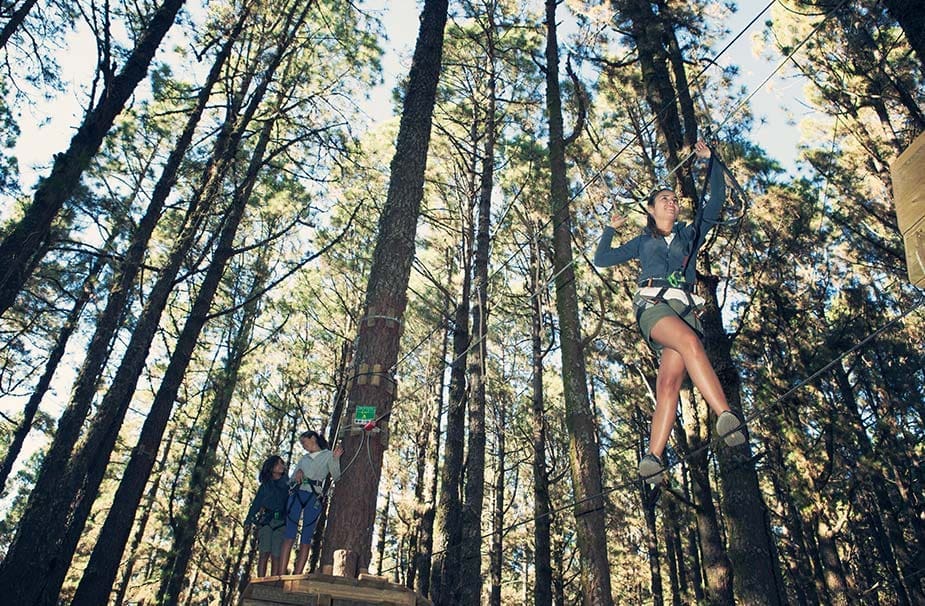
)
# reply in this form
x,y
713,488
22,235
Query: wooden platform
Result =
x,y
908,175
327,590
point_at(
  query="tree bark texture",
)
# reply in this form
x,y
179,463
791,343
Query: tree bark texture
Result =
x,y
542,595
353,504
471,559
21,247
579,417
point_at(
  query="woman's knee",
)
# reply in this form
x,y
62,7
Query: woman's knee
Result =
x,y
670,382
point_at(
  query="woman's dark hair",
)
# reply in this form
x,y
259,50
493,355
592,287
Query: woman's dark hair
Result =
x,y
319,439
266,471
650,220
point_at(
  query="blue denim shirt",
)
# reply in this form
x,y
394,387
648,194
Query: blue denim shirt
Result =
x,y
658,259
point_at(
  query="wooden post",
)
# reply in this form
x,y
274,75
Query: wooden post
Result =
x,y
345,563
908,173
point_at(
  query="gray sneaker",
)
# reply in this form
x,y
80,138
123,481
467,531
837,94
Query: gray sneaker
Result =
x,y
651,469
730,427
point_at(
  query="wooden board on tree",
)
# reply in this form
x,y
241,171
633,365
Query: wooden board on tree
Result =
x,y
908,174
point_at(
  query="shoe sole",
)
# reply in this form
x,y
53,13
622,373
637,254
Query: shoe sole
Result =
x,y
729,423
650,471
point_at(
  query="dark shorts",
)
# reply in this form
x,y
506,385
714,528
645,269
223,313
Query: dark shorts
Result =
x,y
653,313
270,538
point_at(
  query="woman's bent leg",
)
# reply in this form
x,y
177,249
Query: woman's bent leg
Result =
x,y
673,333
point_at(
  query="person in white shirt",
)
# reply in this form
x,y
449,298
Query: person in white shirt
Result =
x,y
305,499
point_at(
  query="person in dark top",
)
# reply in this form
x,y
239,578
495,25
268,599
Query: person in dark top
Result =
x,y
268,514
667,309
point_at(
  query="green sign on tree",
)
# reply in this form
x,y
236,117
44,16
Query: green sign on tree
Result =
x,y
364,414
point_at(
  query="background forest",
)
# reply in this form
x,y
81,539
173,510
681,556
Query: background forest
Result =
x,y
183,283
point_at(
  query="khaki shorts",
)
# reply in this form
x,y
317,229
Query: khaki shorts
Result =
x,y
270,539
653,313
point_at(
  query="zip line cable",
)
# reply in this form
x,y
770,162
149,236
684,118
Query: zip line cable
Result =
x,y
596,175
599,172
760,412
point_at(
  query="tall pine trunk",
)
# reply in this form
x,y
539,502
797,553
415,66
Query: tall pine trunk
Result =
x,y
470,552
425,550
22,246
100,573
716,566
38,544
496,556
579,417
175,569
353,504
146,509
752,549
542,595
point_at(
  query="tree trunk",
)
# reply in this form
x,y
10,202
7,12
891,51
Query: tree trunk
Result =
x,y
100,572
911,18
673,554
39,534
497,519
446,578
175,569
542,595
651,32
649,497
424,558
584,450
142,526
470,553
21,247
353,505
752,549
383,524
716,566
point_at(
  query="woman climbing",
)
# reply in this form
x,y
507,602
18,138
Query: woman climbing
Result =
x,y
666,309
267,514
305,498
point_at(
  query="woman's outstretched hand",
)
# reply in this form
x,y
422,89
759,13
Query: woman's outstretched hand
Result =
x,y
702,150
617,220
